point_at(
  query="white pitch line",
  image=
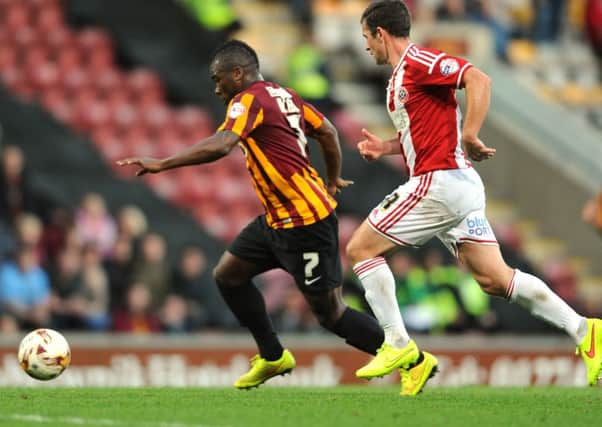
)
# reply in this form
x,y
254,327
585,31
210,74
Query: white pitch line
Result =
x,y
33,418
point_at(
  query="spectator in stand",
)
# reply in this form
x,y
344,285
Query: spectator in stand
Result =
x,y
66,283
28,232
480,11
24,291
55,233
94,224
174,315
548,19
593,28
119,271
309,75
16,192
152,269
294,315
131,225
192,282
217,16
7,241
137,316
592,212
94,295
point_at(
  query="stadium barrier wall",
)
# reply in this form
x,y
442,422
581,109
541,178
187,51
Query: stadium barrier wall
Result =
x,y
216,360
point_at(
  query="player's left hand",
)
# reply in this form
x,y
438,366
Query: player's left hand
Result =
x,y
336,186
477,150
147,164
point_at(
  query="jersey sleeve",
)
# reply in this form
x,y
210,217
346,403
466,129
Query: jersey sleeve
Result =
x,y
243,116
438,68
312,116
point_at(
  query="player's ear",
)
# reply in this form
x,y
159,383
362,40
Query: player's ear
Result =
x,y
237,73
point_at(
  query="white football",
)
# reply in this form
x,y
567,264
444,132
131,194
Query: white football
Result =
x,y
44,354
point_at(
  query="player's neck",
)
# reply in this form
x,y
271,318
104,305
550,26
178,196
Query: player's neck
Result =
x,y
251,80
396,49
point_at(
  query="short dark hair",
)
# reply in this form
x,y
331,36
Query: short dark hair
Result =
x,y
391,15
236,53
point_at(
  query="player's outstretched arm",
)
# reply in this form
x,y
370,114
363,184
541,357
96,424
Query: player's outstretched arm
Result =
x,y
374,147
478,92
328,138
207,150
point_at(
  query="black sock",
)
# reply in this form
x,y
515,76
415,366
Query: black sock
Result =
x,y
360,330
247,304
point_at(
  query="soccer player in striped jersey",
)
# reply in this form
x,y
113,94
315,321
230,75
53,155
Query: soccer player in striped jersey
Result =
x,y
299,230
444,196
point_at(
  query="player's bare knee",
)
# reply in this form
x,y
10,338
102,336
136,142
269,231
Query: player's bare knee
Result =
x,y
354,252
328,314
489,285
223,278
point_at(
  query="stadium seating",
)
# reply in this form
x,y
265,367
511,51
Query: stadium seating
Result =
x,y
125,112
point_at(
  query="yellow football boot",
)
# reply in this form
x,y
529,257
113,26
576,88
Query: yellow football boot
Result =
x,y
389,358
414,379
590,349
262,370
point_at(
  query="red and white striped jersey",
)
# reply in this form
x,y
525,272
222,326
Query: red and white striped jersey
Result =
x,y
421,101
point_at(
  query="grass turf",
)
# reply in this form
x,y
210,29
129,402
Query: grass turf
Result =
x,y
315,407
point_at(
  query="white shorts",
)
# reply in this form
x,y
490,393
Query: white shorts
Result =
x,y
448,204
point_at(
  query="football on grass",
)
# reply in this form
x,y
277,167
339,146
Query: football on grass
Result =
x,y
44,354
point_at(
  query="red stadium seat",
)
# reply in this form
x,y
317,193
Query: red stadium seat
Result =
x,y
190,117
163,183
34,56
56,101
75,80
110,81
11,76
125,115
24,89
82,100
49,18
93,38
42,4
99,59
44,77
156,116
169,140
16,16
8,56
96,115
69,58
26,36
142,80
59,38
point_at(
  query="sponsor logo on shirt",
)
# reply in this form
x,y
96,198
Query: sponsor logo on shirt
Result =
x,y
236,110
449,66
403,95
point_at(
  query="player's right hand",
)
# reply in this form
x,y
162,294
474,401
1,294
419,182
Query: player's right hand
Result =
x,y
372,147
146,164
337,185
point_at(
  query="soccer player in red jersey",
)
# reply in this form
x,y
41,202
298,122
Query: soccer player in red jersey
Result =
x,y
299,230
444,196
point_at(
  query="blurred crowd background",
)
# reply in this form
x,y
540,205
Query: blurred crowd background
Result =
x,y
86,246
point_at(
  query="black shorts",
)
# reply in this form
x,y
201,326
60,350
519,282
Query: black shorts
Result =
x,y
309,253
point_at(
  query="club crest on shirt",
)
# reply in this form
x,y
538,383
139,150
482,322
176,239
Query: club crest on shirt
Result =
x,y
236,110
403,95
449,66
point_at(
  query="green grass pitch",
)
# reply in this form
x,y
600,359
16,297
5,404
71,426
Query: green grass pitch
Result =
x,y
270,406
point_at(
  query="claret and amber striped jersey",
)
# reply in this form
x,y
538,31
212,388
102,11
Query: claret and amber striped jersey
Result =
x,y
271,122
